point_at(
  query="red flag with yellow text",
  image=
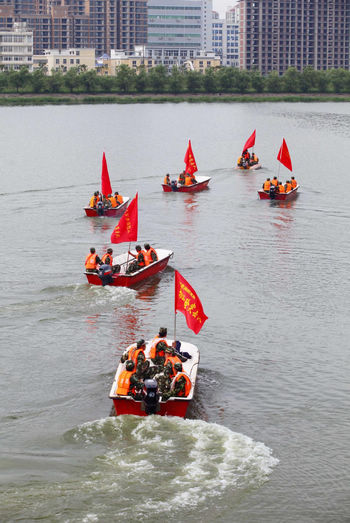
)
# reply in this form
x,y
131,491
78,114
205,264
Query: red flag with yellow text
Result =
x,y
284,156
126,229
187,302
191,166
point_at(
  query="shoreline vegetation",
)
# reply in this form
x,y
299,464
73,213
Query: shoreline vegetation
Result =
x,y
78,99
158,85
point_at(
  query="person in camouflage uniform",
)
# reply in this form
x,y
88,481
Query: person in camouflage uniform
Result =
x,y
128,354
163,380
159,358
179,385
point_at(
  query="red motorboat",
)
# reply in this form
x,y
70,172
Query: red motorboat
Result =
x,y
106,189
108,211
174,406
202,183
273,195
121,279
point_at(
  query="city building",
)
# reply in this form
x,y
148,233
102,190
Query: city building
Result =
x,y
275,35
65,59
202,61
226,37
178,30
16,48
108,65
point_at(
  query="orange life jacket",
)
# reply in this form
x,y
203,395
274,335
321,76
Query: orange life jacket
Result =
x,y
181,178
173,359
90,261
113,201
239,161
141,262
187,386
267,185
281,188
166,181
123,386
188,180
93,201
134,353
288,187
294,183
274,182
148,257
154,352
107,255
119,198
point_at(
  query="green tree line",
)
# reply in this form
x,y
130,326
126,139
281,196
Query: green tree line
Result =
x,y
158,80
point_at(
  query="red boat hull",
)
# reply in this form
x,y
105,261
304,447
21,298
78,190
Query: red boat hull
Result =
x,y
279,196
187,188
111,212
172,407
128,280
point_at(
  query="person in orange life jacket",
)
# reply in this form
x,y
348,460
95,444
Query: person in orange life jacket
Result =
x,y
246,156
166,180
92,261
266,185
293,182
288,186
157,352
128,381
254,159
112,200
181,178
180,385
93,200
118,197
170,359
280,187
109,255
274,181
140,259
136,353
150,254
161,336
106,202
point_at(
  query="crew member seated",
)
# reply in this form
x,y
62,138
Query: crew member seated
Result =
x,y
180,385
166,180
92,261
170,359
157,352
181,179
108,257
136,353
190,179
93,200
246,156
139,262
112,200
254,159
128,381
280,187
266,185
288,186
119,198
274,181
293,182
150,254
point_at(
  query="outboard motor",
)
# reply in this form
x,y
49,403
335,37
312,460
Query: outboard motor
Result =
x,y
173,185
151,396
100,208
272,192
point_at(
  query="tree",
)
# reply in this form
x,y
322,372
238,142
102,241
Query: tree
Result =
x,y
71,79
55,81
89,81
210,81
308,80
257,81
125,79
39,81
141,80
337,79
227,79
243,81
274,83
18,79
176,81
291,80
194,81
158,79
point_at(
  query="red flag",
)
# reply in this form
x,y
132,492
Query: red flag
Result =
x,y
126,229
284,157
191,166
250,142
187,302
105,183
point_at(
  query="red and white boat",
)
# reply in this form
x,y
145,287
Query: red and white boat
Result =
x,y
106,189
191,168
108,211
249,143
122,279
174,406
273,195
254,167
202,183
284,158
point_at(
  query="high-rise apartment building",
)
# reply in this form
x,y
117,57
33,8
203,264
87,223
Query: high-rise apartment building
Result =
x,y
178,29
226,37
277,34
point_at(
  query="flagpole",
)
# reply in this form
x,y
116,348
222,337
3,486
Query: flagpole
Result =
x,y
175,327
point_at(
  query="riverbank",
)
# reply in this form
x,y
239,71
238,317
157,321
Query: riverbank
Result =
x,y
74,99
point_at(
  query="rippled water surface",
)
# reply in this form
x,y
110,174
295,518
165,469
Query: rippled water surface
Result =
x,y
267,437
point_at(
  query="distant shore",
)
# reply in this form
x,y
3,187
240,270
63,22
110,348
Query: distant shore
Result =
x,y
75,99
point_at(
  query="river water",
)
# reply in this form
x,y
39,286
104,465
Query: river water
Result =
x,y
267,439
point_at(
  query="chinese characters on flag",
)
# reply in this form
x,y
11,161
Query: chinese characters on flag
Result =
x,y
187,302
126,229
191,166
